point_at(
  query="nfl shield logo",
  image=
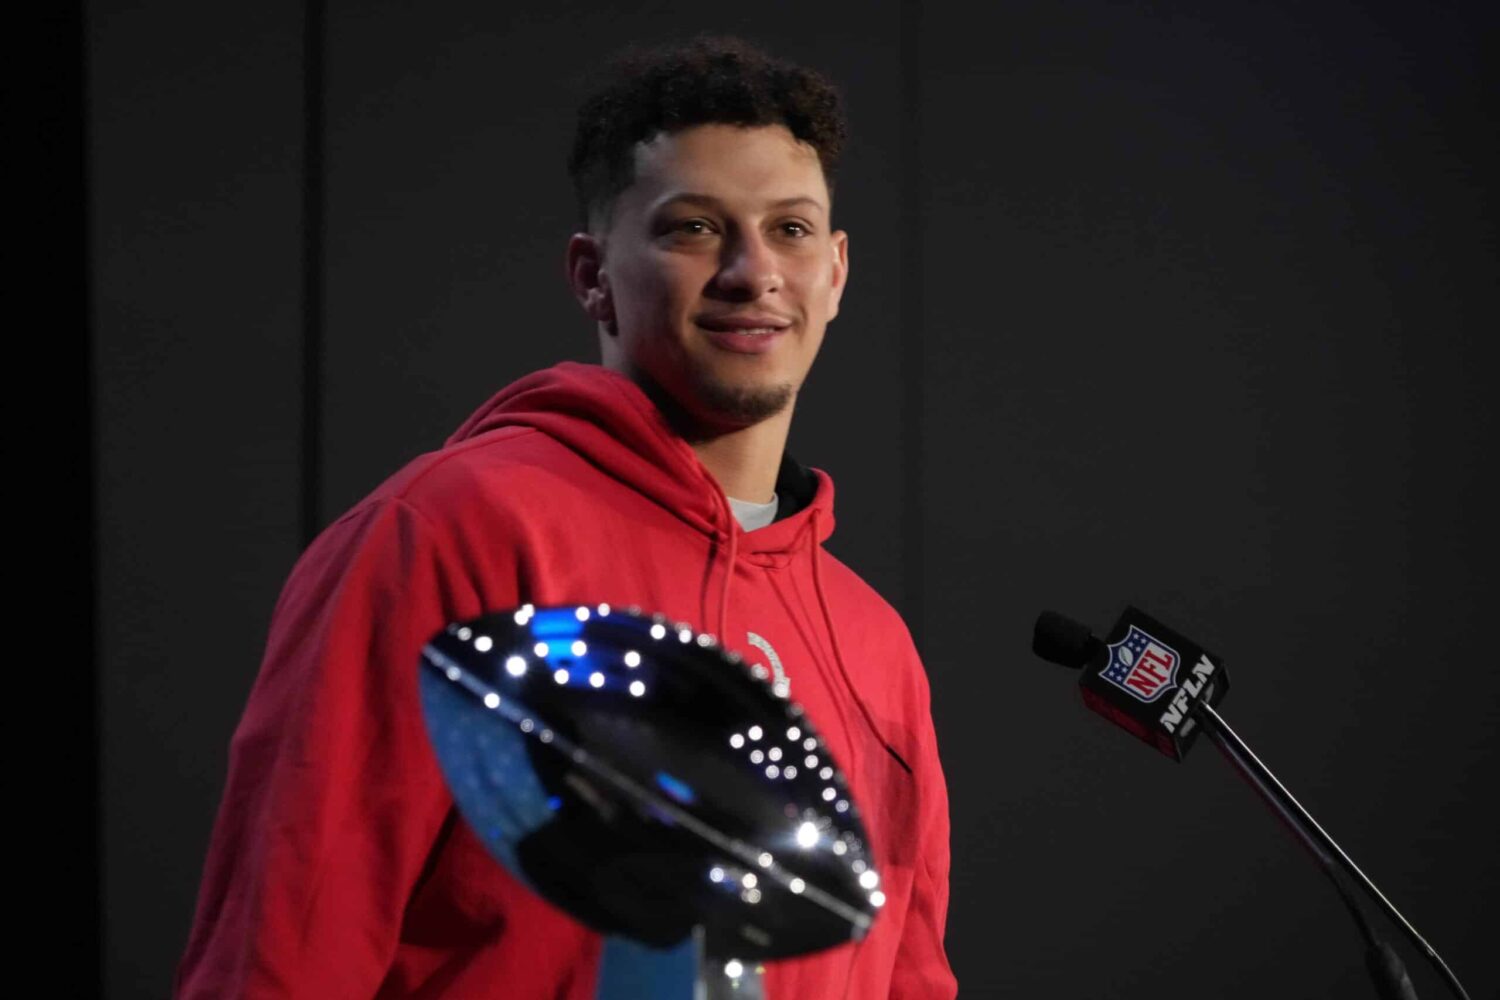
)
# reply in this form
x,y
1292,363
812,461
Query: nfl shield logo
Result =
x,y
1141,666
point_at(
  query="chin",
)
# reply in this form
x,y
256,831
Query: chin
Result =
x,y
738,402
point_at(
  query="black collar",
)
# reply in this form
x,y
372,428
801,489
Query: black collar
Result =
x,y
795,487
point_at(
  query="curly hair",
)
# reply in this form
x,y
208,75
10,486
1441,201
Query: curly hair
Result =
x,y
709,80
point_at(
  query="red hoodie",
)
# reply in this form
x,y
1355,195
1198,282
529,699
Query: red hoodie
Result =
x,y
338,866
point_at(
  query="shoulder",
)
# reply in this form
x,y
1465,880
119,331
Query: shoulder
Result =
x,y
506,473
877,636
859,600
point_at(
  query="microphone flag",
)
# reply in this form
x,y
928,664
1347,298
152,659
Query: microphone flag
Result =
x,y
1150,680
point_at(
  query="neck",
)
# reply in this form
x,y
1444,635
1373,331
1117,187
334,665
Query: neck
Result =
x,y
745,461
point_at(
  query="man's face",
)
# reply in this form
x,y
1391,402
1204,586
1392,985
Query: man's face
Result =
x,y
721,270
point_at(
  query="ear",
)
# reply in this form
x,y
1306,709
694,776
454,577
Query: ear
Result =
x,y
840,249
585,267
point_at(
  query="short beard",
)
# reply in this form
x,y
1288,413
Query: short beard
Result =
x,y
742,406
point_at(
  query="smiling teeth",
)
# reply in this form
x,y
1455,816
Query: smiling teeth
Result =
x,y
748,331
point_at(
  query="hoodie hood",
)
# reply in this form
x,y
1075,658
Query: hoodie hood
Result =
x,y
610,421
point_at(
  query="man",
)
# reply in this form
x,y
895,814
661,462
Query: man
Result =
x,y
338,866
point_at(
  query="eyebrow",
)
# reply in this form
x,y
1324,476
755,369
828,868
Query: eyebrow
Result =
x,y
693,198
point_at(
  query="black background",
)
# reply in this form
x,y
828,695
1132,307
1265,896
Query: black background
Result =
x,y
1192,306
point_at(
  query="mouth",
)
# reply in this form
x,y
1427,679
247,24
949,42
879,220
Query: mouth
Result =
x,y
743,337
748,331
749,325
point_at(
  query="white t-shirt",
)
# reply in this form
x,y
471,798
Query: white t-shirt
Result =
x,y
754,515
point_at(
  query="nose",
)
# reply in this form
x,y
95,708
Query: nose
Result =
x,y
748,268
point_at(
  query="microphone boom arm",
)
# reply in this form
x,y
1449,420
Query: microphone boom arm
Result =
x,y
1313,836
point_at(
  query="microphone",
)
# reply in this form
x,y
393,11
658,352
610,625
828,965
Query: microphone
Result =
x,y
1059,639
1161,687
1147,679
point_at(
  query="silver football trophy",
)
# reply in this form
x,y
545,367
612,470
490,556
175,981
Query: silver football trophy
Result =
x,y
655,788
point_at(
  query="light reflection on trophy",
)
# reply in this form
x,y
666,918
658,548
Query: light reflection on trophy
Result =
x,y
647,783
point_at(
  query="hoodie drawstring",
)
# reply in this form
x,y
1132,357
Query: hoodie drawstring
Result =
x,y
864,710
814,548
833,638
729,526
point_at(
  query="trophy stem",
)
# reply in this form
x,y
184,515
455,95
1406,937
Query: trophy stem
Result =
x,y
725,978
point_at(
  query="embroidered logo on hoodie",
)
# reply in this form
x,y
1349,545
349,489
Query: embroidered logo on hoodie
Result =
x,y
781,684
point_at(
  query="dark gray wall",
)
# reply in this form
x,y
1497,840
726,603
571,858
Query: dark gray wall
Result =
x,y
1210,326
1200,315
195,142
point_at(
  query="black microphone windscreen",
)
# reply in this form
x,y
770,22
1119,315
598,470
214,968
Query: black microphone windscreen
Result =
x,y
1061,640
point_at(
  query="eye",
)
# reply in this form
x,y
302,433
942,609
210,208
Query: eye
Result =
x,y
795,229
688,232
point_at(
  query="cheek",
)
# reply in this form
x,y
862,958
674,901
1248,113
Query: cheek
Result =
x,y
657,288
814,285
